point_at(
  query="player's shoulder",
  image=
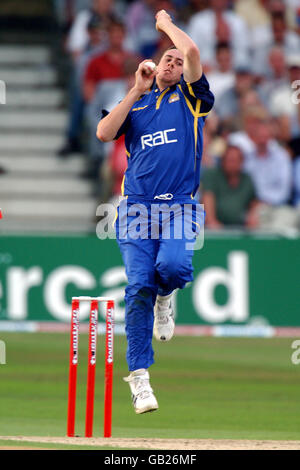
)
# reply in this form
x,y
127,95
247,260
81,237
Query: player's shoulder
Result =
x,y
198,90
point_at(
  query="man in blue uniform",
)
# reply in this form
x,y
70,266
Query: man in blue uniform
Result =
x,y
162,118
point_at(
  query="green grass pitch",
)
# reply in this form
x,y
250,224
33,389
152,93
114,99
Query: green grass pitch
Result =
x,y
222,388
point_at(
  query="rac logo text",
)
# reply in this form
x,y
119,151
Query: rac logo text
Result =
x,y
158,138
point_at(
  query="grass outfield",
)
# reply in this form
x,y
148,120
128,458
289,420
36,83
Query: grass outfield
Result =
x,y
220,388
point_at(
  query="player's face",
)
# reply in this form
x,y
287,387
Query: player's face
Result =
x,y
170,67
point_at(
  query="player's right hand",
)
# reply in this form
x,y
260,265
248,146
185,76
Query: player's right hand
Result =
x,y
144,77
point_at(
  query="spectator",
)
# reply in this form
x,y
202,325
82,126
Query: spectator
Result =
x,y
66,11
218,24
117,163
254,12
210,157
187,8
76,112
294,4
212,149
209,160
78,37
270,167
222,78
247,100
288,8
277,76
228,105
108,65
277,33
228,193
284,102
281,100
140,22
257,12
245,138
216,134
112,174
107,94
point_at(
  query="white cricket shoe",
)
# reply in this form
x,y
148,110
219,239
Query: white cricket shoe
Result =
x,y
164,325
143,398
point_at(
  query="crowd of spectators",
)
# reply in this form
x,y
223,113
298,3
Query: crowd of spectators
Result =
x,y
250,51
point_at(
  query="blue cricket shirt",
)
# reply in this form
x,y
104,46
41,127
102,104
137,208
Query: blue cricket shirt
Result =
x,y
163,139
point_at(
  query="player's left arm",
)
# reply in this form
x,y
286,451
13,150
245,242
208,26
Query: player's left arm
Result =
x,y
192,68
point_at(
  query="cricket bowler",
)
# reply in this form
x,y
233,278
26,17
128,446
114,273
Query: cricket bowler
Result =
x,y
162,117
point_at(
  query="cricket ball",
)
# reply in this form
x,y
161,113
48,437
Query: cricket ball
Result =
x,y
150,64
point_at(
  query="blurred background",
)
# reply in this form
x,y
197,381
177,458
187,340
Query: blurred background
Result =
x,y
62,62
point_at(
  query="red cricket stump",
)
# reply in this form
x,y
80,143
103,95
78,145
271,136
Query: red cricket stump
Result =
x,y
73,368
90,393
109,362
91,372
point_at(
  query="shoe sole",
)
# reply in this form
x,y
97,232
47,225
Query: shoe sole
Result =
x,y
163,338
146,410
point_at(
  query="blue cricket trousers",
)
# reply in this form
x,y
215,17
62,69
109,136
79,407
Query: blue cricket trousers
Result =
x,y
157,261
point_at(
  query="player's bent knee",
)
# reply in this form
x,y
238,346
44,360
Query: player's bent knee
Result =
x,y
174,271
